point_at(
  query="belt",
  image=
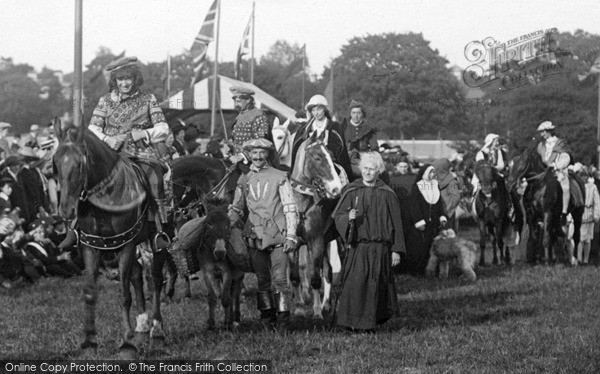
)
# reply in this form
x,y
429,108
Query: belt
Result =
x,y
374,241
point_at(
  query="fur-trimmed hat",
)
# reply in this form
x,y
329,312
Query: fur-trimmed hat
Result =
x,y
546,126
241,91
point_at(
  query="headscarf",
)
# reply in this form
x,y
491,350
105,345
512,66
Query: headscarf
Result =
x,y
427,187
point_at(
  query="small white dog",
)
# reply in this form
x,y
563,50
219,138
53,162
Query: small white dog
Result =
x,y
448,249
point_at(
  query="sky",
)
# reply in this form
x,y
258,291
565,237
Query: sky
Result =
x,y
40,32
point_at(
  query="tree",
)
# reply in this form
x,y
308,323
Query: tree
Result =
x,y
404,83
556,95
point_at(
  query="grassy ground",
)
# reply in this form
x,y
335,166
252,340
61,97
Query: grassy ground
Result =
x,y
517,319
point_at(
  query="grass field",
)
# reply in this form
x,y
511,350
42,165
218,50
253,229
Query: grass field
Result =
x,y
517,319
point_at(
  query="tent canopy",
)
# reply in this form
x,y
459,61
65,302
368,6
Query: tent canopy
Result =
x,y
198,98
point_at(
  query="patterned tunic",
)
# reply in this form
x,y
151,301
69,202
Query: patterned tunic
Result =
x,y
116,115
251,124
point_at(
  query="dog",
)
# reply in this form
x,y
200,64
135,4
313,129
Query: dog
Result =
x,y
448,249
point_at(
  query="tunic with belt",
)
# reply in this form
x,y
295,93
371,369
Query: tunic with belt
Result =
x,y
272,212
118,114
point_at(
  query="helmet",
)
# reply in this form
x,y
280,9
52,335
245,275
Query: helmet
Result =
x,y
546,126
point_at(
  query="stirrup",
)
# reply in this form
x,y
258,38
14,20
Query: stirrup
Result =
x,y
165,237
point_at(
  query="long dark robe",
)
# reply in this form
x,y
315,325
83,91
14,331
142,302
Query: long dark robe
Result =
x,y
419,242
368,296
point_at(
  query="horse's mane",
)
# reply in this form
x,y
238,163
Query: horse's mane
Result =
x,y
299,163
197,167
96,146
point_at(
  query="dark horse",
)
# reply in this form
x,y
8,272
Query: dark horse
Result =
x,y
107,195
492,206
542,200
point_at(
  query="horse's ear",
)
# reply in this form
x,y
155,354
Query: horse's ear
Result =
x,y
286,124
276,122
57,125
80,132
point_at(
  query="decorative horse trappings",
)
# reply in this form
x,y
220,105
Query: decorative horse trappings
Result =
x,y
107,195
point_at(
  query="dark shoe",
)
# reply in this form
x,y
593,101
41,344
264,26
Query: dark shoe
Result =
x,y
268,319
283,321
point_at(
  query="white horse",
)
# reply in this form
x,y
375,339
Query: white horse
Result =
x,y
283,141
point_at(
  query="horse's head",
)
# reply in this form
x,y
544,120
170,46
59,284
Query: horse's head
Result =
x,y
315,165
215,227
487,175
70,167
280,140
526,164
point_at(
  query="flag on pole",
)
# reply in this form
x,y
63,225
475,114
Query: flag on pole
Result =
x,y
243,49
329,90
166,78
102,69
200,45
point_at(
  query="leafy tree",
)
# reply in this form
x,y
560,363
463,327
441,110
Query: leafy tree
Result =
x,y
560,97
405,84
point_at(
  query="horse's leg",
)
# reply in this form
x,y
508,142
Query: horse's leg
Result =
x,y
295,282
188,287
172,279
90,296
126,259
317,249
158,261
236,292
226,295
494,246
334,264
212,286
482,240
137,281
303,268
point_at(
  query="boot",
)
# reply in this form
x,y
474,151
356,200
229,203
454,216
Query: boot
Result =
x,y
284,303
161,210
266,306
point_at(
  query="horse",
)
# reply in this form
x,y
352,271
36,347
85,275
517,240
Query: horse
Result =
x,y
283,140
108,195
492,206
317,186
542,200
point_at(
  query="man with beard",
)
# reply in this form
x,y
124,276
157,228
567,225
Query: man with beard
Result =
x,y
270,229
250,124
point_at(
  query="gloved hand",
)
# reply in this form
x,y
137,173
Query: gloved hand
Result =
x,y
289,245
395,259
237,158
138,135
115,142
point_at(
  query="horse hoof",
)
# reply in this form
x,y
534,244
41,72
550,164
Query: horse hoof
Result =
x,y
299,312
87,344
157,332
142,324
127,351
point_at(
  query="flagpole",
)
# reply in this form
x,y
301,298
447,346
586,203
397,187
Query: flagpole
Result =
x,y
303,70
213,116
77,81
598,136
252,53
168,76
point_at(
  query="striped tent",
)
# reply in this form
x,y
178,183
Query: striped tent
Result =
x,y
198,98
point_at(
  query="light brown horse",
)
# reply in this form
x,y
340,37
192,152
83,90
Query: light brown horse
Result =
x,y
106,194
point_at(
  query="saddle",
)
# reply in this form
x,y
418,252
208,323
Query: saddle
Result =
x,y
577,189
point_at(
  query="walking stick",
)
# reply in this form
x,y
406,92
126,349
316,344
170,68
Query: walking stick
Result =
x,y
343,278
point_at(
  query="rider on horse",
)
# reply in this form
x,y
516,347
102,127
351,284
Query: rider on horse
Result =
x,y
131,122
492,153
270,229
555,153
359,136
251,123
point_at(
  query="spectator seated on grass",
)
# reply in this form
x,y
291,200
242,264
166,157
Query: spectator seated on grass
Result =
x,y
40,247
15,266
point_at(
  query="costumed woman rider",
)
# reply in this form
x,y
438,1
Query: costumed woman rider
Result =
x,y
493,154
555,153
359,136
130,121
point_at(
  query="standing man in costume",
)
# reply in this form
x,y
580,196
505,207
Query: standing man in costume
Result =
x,y
368,295
131,122
359,136
556,153
250,124
270,229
